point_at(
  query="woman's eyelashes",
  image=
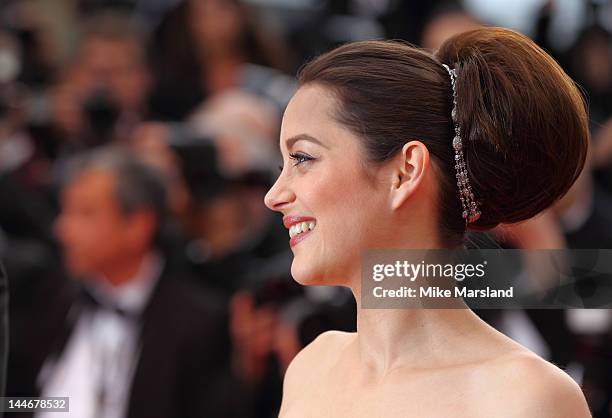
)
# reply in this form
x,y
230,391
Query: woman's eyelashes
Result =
x,y
300,157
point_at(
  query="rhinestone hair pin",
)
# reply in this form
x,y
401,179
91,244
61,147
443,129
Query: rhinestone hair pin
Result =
x,y
471,212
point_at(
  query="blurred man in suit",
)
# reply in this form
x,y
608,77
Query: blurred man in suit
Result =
x,y
135,340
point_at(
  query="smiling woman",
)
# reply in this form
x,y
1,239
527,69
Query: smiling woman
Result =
x,y
388,146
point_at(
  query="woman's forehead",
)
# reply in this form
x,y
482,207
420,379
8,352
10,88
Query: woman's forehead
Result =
x,y
310,111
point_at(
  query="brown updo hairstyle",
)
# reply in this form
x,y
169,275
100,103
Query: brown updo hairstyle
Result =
x,y
523,120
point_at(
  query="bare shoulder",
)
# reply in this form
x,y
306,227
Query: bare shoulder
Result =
x,y
305,370
528,385
317,354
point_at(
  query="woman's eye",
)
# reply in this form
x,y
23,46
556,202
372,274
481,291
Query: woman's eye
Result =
x,y
300,158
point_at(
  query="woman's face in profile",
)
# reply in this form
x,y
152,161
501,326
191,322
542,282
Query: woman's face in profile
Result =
x,y
332,202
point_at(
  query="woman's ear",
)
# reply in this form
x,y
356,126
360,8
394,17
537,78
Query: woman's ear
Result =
x,y
409,169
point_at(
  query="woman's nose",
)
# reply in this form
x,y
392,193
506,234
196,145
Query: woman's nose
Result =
x,y
279,196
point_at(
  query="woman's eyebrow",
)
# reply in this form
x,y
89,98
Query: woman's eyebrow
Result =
x,y
303,137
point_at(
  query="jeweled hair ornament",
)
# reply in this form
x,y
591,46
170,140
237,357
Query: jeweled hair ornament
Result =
x,y
471,211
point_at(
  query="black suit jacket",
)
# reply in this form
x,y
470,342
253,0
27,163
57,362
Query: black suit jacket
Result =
x,y
182,370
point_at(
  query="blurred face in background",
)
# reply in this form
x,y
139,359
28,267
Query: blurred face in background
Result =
x,y
110,73
95,234
117,65
216,24
593,60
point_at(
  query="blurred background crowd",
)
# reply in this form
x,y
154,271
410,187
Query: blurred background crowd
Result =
x,y
137,140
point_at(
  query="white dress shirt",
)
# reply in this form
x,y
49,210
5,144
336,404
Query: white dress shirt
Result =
x,y
95,369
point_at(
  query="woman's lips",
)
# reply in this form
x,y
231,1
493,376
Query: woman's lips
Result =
x,y
299,227
298,238
290,220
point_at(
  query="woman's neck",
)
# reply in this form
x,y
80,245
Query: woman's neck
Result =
x,y
418,338
388,339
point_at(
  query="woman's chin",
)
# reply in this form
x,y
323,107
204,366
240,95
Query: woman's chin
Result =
x,y
306,276
309,276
